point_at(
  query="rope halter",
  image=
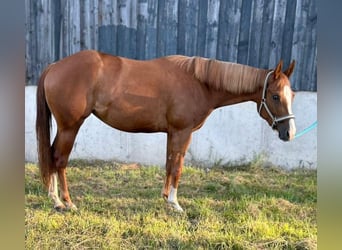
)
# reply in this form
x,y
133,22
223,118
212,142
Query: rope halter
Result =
x,y
275,120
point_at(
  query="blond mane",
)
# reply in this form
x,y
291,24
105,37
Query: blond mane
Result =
x,y
232,77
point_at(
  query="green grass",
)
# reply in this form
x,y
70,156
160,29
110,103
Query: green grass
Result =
x,y
120,207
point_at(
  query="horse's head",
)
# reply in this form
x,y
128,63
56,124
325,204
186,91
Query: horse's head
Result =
x,y
276,102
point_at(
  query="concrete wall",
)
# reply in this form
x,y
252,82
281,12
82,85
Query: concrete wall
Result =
x,y
233,134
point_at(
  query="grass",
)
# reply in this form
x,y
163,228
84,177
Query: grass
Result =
x,y
120,207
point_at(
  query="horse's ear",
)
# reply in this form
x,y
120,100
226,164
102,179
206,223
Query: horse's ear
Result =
x,y
290,69
277,70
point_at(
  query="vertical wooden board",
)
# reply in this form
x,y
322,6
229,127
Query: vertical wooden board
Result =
x,y
191,27
161,28
107,39
182,24
43,36
234,16
277,32
106,12
288,32
75,28
115,12
171,26
94,15
298,44
255,33
85,24
245,22
151,29
212,28
312,68
202,27
223,30
64,28
30,40
133,14
123,33
141,29
310,45
266,37
56,10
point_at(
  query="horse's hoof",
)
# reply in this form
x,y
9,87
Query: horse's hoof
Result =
x,y
176,206
59,207
71,207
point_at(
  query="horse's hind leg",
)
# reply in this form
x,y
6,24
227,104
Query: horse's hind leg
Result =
x,y
62,147
53,193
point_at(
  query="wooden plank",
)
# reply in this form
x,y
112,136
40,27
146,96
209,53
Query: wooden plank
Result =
x,y
277,32
202,27
288,32
30,56
212,28
191,27
107,39
56,11
171,27
85,22
123,30
266,37
312,67
182,23
161,27
309,63
255,33
132,29
245,22
298,45
229,25
75,32
151,29
94,15
223,27
142,17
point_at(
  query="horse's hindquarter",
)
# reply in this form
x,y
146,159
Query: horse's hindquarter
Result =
x,y
148,96
69,87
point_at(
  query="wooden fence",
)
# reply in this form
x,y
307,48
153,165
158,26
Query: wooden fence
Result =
x,y
257,33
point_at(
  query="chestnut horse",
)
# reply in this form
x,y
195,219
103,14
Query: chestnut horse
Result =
x,y
173,94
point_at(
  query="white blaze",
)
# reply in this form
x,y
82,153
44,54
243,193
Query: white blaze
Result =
x,y
288,96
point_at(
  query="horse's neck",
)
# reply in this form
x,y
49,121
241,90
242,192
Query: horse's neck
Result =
x,y
224,98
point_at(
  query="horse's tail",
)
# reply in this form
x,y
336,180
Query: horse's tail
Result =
x,y
43,126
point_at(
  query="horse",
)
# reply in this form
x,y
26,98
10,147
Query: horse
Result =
x,y
172,94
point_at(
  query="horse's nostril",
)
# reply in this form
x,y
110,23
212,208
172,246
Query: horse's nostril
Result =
x,y
287,134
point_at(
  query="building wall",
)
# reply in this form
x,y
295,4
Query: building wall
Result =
x,y
258,33
233,134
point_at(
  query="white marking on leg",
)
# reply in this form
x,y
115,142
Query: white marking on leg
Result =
x,y
288,97
53,192
172,199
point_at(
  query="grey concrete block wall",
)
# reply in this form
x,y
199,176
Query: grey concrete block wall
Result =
x,y
233,134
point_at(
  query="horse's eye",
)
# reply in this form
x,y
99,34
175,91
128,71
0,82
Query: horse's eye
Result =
x,y
276,97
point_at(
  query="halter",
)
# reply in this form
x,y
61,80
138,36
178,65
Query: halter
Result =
x,y
263,103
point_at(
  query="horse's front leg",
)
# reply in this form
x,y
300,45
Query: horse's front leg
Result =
x,y
177,145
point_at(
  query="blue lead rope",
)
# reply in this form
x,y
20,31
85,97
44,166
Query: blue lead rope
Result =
x,y
312,126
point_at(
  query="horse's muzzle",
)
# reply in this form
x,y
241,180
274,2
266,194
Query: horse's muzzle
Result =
x,y
287,130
